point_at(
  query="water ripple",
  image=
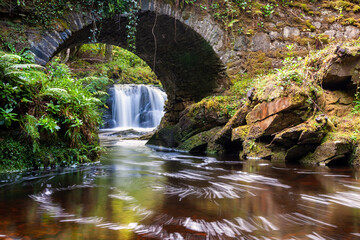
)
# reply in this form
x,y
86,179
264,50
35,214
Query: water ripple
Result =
x,y
254,178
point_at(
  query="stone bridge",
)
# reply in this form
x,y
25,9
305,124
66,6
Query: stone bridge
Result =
x,y
184,48
189,52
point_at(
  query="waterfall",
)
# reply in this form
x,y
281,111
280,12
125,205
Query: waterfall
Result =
x,y
137,106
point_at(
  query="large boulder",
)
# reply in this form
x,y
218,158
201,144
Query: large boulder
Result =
x,y
268,118
344,73
199,142
301,139
223,137
336,103
331,152
255,150
166,136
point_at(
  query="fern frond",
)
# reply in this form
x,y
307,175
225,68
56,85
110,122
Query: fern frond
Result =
x,y
26,66
55,92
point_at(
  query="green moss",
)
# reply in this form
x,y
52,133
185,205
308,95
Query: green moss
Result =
x,y
199,142
258,63
350,21
300,5
310,26
240,133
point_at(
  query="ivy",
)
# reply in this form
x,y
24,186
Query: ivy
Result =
x,y
44,12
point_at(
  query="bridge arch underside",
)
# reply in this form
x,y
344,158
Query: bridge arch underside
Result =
x,y
185,63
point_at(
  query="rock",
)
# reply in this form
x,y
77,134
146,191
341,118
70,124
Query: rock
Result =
x,y
355,159
199,120
298,151
339,35
167,136
291,32
224,136
199,142
260,42
301,139
330,33
273,35
337,103
241,43
342,73
250,94
337,27
253,149
266,109
239,134
317,25
290,136
330,152
277,44
351,32
274,124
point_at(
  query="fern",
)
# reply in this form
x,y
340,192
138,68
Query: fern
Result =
x,y
30,125
56,93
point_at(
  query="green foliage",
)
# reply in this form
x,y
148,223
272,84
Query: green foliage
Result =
x,y
125,67
13,155
268,9
47,107
43,13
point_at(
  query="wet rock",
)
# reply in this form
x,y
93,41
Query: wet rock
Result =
x,y
199,142
167,136
260,42
330,152
254,149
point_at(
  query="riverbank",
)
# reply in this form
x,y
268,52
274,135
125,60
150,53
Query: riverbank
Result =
x,y
305,112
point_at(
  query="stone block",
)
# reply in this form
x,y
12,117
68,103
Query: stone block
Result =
x,y
351,32
291,32
260,42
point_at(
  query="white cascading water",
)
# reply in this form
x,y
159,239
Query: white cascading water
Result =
x,y
137,106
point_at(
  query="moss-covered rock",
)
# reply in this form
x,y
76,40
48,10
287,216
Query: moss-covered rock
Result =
x,y
331,152
200,141
253,149
167,136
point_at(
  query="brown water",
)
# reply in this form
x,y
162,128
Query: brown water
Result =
x,y
140,193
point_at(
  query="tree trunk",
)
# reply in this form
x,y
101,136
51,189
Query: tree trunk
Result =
x,y
108,52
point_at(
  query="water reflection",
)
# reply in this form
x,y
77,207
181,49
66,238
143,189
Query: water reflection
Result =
x,y
139,193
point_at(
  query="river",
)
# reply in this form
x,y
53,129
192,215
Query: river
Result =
x,y
137,192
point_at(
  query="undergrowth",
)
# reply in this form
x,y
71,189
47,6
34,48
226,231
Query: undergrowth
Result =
x,y
45,111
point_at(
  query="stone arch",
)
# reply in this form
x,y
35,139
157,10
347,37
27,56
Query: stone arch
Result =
x,y
189,48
